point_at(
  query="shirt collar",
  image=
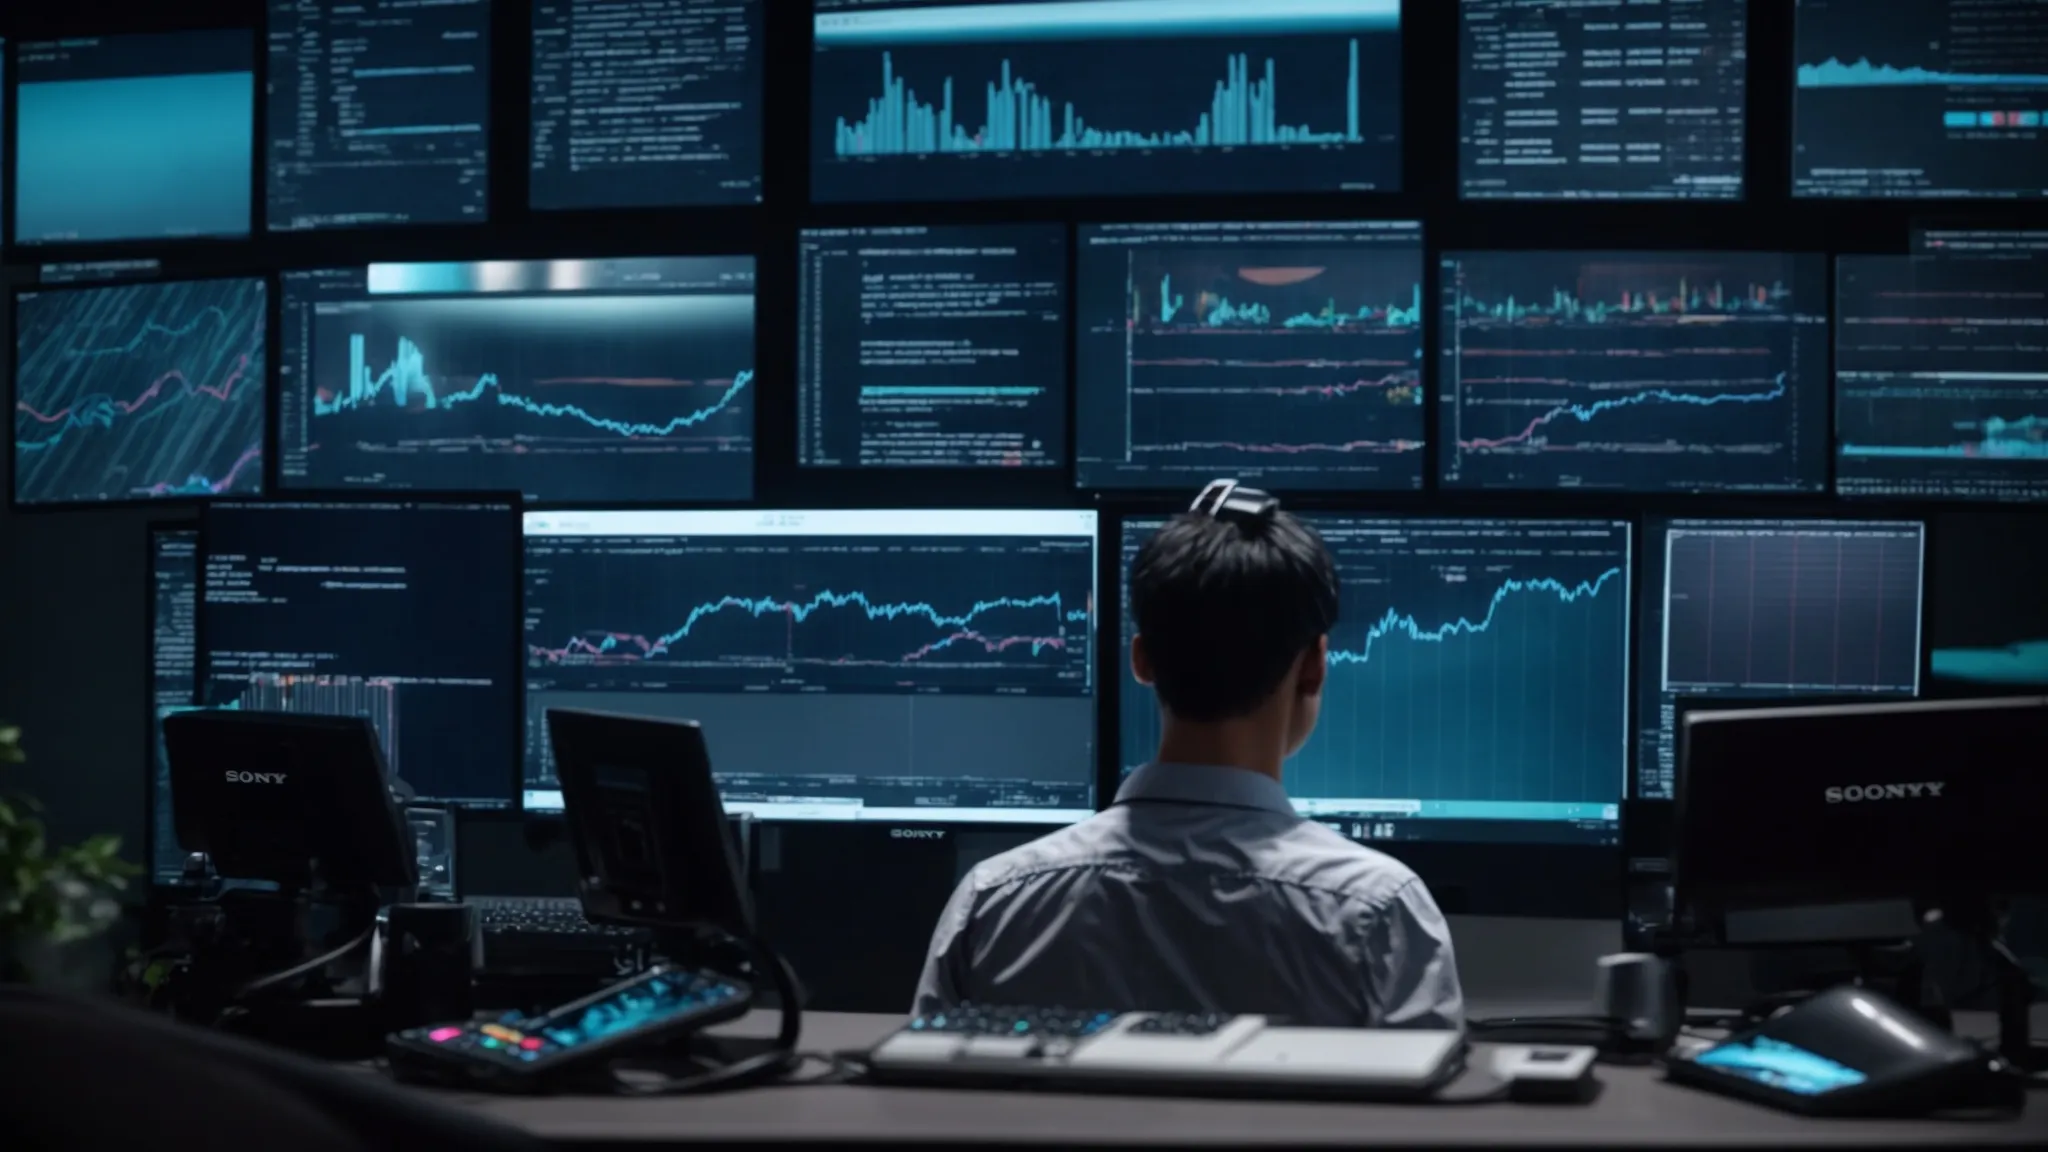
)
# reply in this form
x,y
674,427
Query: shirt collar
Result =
x,y
1205,784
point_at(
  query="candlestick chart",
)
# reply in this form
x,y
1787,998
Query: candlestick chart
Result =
x,y
557,396
1472,660
992,615
1941,389
1634,372
1200,100
1295,364
139,391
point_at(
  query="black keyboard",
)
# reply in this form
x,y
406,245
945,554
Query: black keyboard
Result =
x,y
540,916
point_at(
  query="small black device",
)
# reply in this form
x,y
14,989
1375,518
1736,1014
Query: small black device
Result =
x,y
426,957
579,1037
1852,1052
273,796
433,833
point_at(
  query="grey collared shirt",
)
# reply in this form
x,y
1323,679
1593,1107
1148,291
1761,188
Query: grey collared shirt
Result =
x,y
1200,890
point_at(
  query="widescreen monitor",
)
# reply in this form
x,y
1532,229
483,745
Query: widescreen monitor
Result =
x,y
932,347
171,116
1987,610
1287,355
1478,687
1633,371
1601,102
173,677
892,665
1927,99
618,380
138,391
1009,99
403,613
379,113
1769,609
1941,388
649,104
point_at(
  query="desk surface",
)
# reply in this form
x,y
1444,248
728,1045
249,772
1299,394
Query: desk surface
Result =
x,y
1635,1108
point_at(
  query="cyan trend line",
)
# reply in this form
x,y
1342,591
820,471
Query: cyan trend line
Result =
x,y
1394,622
765,605
1832,73
1584,413
407,376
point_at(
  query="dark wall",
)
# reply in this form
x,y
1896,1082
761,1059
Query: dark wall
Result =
x,y
72,649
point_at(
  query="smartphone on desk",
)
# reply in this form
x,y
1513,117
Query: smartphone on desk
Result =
x,y
523,1054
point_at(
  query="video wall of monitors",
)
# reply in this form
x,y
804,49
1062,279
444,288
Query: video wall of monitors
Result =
x,y
814,363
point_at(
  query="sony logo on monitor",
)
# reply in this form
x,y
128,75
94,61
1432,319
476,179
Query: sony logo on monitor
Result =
x,y
255,777
1929,790
918,833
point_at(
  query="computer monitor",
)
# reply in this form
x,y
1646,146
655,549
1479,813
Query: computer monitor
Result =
x,y
379,114
402,613
1923,99
290,799
1478,686
654,105
1768,609
1930,800
100,117
1633,371
1939,387
1987,612
173,610
932,347
892,665
1288,355
652,842
1000,101
139,391
614,381
1579,102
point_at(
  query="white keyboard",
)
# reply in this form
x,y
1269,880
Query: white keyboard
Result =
x,y
974,1046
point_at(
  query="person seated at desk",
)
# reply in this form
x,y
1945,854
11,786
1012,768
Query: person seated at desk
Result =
x,y
1200,889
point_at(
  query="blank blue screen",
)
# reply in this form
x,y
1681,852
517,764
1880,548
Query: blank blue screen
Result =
x,y
172,115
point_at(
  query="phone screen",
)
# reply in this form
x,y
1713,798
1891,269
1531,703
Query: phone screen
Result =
x,y
641,1004
1787,1067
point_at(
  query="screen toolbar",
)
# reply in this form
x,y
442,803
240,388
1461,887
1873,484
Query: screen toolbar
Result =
x,y
1602,101
847,665
625,380
1283,354
1023,98
1633,371
403,614
1478,686
932,347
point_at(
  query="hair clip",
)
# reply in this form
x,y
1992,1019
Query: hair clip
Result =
x,y
1225,500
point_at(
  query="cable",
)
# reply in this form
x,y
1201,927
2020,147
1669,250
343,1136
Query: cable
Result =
x,y
262,983
781,1058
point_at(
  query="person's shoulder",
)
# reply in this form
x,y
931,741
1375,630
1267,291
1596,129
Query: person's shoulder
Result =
x,y
1076,845
1321,858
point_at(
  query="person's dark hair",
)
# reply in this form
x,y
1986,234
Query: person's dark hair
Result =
x,y
1226,605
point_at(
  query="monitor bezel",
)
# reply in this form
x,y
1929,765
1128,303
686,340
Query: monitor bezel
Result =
x,y
513,629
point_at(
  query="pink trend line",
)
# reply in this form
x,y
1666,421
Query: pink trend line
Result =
x,y
634,381
1390,447
988,645
1382,384
1198,362
224,484
130,407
